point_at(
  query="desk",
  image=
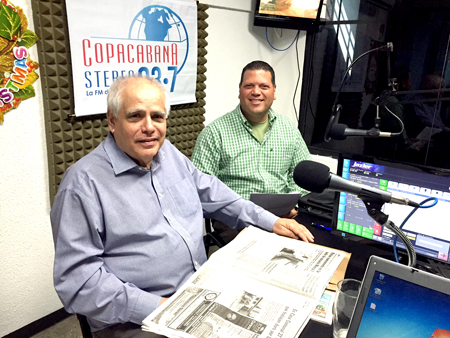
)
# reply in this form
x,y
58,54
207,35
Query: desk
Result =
x,y
355,269
317,330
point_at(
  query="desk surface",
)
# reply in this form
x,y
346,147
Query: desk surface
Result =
x,y
317,330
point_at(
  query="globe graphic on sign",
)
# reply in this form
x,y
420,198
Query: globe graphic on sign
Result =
x,y
160,23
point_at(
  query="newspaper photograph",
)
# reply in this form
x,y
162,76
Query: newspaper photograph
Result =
x,y
287,263
242,308
259,285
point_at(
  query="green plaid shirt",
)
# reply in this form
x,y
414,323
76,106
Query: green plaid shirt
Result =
x,y
227,149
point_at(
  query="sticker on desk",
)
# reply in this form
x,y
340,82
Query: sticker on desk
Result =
x,y
322,313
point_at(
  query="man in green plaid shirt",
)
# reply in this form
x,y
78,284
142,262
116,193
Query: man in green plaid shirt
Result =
x,y
252,148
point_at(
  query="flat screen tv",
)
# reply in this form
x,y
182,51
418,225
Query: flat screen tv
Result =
x,y
289,14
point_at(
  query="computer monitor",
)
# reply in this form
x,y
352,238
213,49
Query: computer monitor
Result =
x,y
428,229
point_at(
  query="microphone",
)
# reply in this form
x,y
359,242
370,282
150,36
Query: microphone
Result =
x,y
316,177
340,131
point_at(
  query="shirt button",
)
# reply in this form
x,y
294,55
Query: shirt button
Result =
x,y
170,219
187,239
160,195
195,263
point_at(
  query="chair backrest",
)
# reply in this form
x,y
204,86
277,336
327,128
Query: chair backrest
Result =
x,y
211,238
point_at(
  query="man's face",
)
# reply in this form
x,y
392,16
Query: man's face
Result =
x,y
140,128
256,94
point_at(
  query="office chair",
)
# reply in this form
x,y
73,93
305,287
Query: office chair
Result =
x,y
210,239
84,325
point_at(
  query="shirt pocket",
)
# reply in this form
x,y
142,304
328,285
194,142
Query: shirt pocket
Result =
x,y
185,197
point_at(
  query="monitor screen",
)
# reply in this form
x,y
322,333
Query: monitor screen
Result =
x,y
397,307
290,14
428,228
293,8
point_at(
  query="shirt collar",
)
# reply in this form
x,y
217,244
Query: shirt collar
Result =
x,y
238,112
121,162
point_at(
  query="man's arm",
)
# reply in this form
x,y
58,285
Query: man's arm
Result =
x,y
206,155
222,203
82,280
301,153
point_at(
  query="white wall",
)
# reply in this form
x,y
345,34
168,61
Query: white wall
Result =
x,y
26,244
233,42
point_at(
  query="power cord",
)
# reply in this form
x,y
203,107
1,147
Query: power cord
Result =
x,y
298,66
281,50
422,206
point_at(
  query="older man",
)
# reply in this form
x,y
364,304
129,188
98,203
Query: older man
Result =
x,y
127,219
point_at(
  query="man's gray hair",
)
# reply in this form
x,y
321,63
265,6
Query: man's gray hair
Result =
x,y
114,99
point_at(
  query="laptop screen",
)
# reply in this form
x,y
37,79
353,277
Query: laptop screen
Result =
x,y
409,304
428,228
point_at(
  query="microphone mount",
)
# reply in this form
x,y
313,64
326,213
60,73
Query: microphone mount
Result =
x,y
373,205
337,108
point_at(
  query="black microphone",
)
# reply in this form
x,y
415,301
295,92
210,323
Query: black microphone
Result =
x,y
340,131
316,177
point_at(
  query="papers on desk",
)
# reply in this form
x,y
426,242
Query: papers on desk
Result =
x,y
259,285
277,204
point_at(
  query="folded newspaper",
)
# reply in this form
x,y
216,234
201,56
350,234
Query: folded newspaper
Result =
x,y
260,285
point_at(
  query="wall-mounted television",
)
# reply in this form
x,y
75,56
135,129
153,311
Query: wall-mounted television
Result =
x,y
290,14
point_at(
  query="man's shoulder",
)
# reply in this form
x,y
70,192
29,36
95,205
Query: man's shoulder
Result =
x,y
282,119
92,164
285,124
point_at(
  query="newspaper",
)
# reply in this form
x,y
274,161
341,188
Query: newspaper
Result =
x,y
259,285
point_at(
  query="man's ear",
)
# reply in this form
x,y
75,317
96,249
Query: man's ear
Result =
x,y
111,121
275,92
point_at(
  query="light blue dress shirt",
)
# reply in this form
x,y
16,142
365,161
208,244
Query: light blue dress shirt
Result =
x,y
125,236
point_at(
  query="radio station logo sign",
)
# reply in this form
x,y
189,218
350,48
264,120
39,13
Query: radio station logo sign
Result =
x,y
155,42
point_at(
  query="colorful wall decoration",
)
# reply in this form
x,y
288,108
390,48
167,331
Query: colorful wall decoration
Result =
x,y
17,69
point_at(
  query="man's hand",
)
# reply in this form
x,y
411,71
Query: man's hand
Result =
x,y
290,228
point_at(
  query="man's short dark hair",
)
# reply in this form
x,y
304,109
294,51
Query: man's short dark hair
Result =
x,y
258,65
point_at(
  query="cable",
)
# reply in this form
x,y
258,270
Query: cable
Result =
x,y
298,79
399,120
422,206
281,50
348,70
298,66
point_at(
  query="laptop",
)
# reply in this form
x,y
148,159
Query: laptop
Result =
x,y
398,301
